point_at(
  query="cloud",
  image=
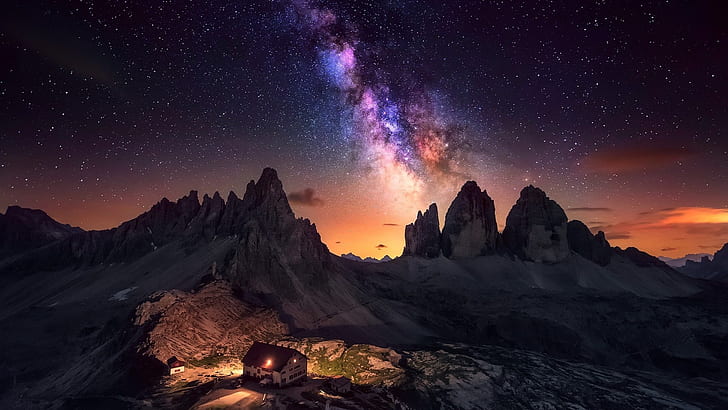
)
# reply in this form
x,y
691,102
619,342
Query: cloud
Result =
x,y
590,209
689,219
694,215
381,246
668,249
306,197
712,247
391,224
633,158
697,222
618,235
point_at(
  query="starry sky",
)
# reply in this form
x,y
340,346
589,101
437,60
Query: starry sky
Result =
x,y
371,110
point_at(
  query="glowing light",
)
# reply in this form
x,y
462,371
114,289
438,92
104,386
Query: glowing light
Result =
x,y
268,363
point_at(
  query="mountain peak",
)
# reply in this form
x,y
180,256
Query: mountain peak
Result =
x,y
16,211
22,229
536,228
269,174
532,192
422,237
470,227
470,186
267,194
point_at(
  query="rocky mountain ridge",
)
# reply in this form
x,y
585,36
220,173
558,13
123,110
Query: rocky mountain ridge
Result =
x,y
537,229
187,220
274,278
23,229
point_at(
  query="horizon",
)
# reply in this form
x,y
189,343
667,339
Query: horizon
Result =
x,y
370,112
397,238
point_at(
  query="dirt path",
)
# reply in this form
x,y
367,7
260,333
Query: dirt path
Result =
x,y
231,399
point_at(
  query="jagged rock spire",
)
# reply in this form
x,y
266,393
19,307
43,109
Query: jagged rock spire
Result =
x,y
422,237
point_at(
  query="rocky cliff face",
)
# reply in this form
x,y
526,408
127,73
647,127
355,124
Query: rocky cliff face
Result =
x,y
277,254
207,220
592,247
207,323
422,237
470,227
536,228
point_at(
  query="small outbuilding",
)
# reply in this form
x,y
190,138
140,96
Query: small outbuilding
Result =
x,y
175,365
282,365
340,384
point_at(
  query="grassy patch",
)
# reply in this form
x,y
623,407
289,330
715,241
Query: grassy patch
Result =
x,y
353,363
207,362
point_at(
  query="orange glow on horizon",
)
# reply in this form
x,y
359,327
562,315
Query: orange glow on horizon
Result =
x,y
696,215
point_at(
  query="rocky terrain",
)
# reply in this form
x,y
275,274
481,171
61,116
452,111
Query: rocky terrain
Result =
x,y
544,314
207,323
488,377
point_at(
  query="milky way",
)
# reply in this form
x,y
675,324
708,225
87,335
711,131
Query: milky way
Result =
x,y
401,139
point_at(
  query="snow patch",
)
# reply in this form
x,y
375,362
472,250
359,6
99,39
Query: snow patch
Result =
x,y
122,294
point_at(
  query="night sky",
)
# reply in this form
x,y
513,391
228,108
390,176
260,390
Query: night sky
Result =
x,y
372,110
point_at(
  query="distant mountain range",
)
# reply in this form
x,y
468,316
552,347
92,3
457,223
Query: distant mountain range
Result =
x,y
350,256
680,262
711,267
